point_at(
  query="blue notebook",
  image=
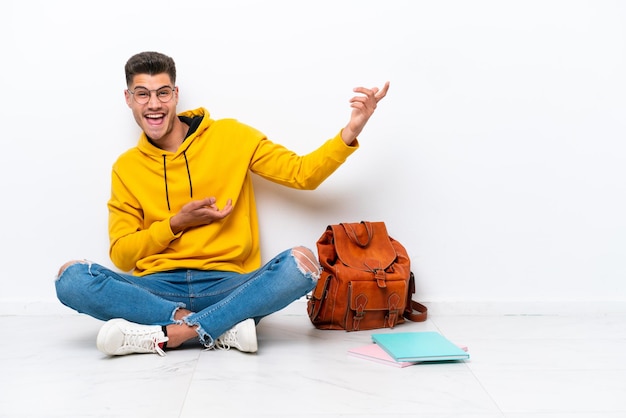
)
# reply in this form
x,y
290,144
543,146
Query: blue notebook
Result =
x,y
419,346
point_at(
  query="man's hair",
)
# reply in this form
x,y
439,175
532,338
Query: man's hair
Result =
x,y
150,62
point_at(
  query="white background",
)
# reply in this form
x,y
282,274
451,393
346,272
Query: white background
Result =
x,y
498,157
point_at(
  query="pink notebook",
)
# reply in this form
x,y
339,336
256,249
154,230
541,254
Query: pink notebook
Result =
x,y
375,353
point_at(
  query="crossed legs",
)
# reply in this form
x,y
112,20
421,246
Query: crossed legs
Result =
x,y
177,327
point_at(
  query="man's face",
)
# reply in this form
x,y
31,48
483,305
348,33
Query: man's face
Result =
x,y
154,117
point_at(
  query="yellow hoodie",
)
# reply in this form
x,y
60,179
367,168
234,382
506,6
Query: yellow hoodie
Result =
x,y
150,185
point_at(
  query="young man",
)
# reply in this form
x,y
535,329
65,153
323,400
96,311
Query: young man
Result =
x,y
183,221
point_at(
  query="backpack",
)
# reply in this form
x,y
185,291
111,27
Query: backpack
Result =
x,y
366,280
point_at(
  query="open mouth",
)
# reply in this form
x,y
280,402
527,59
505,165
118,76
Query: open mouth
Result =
x,y
155,119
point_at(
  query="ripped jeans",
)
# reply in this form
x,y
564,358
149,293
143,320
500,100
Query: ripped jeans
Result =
x,y
218,299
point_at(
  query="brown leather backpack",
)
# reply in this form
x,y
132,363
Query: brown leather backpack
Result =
x,y
366,281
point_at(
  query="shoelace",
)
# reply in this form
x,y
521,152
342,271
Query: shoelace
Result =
x,y
145,342
226,341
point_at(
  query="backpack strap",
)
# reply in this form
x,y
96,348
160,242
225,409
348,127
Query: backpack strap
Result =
x,y
414,311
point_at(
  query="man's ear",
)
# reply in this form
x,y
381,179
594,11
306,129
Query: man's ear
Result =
x,y
127,97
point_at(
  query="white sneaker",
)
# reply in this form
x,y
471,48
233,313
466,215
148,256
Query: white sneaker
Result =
x,y
118,337
242,337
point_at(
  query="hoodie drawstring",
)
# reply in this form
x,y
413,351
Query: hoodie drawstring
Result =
x,y
188,173
167,195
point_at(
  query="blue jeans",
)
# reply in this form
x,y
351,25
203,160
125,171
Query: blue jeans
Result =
x,y
218,299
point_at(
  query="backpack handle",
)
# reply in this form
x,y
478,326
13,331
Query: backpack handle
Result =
x,y
354,237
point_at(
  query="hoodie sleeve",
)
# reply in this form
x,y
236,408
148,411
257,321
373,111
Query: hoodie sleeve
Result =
x,y
280,165
129,240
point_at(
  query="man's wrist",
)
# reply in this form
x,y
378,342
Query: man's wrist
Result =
x,y
348,136
175,227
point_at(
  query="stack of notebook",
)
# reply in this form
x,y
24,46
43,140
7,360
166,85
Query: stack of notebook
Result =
x,y
403,349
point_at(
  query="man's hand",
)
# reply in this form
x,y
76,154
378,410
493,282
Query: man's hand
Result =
x,y
362,109
199,212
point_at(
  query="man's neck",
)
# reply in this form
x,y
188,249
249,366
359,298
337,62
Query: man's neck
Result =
x,y
174,139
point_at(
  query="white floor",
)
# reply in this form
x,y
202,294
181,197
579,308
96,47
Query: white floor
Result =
x,y
540,366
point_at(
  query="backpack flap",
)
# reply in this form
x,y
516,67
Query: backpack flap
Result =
x,y
365,246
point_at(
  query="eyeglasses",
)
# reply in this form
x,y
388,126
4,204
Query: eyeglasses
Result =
x,y
142,95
